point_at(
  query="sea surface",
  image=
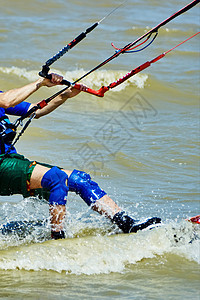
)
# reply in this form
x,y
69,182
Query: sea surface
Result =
x,y
140,143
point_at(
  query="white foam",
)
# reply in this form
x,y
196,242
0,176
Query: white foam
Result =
x,y
100,254
94,80
20,72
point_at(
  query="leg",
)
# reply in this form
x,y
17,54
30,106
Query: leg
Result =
x,y
81,183
107,206
127,224
46,177
54,180
60,181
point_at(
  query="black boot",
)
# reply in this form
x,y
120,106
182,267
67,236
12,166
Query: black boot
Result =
x,y
56,235
127,224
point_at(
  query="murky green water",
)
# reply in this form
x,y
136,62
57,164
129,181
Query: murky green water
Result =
x,y
140,142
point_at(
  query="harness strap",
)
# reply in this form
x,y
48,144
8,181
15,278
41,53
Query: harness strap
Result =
x,y
2,145
7,133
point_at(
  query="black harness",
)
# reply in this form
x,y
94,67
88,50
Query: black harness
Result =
x,y
7,132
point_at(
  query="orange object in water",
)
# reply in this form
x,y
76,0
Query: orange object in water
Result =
x,y
195,219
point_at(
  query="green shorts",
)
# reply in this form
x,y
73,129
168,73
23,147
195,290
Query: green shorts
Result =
x,y
15,174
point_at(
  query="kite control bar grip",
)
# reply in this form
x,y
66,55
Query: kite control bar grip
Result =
x,y
48,76
99,93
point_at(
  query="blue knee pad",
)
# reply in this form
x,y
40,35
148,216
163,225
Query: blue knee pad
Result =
x,y
81,183
54,180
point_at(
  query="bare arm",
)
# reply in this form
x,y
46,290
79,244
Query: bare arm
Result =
x,y
59,100
15,96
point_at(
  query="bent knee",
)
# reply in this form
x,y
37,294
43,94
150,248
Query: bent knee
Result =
x,y
55,180
81,183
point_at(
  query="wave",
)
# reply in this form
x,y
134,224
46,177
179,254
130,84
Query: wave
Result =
x,y
96,79
182,91
103,254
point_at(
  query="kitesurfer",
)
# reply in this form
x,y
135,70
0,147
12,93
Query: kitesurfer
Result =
x,y
19,175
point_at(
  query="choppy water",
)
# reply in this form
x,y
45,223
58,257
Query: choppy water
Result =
x,y
140,142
